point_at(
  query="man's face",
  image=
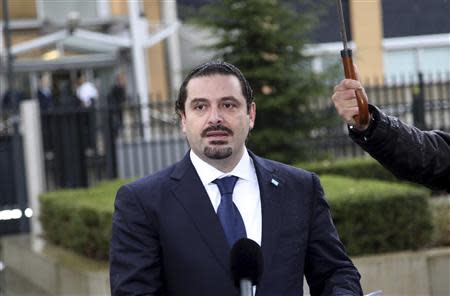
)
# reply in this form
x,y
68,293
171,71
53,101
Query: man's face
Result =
x,y
216,120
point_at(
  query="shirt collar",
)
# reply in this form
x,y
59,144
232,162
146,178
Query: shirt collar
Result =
x,y
207,173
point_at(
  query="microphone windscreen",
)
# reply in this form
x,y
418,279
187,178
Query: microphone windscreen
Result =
x,y
246,261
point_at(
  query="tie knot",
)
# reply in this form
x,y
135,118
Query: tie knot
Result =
x,y
226,184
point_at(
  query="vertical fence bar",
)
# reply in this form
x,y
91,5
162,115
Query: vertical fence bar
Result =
x,y
165,136
441,102
429,104
147,148
444,88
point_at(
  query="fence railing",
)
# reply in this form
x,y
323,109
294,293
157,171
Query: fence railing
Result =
x,y
13,186
146,147
426,105
83,146
422,104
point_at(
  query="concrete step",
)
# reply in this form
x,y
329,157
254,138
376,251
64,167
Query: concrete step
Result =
x,y
54,270
13,284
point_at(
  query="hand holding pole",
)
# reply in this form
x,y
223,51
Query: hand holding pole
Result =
x,y
349,71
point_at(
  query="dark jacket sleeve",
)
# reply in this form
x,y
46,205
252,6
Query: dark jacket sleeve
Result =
x,y
135,252
328,269
411,154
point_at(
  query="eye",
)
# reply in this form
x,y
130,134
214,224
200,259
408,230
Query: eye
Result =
x,y
229,105
200,107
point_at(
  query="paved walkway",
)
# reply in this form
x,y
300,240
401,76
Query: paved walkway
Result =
x,y
12,284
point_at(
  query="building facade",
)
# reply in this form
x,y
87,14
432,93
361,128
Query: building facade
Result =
x,y
96,38
390,39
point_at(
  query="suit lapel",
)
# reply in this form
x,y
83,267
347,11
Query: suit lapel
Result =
x,y
271,191
192,195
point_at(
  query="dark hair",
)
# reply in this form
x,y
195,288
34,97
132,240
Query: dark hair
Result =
x,y
208,69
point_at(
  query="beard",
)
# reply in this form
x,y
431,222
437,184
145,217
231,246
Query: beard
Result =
x,y
217,152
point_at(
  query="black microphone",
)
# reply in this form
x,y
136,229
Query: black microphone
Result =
x,y
247,265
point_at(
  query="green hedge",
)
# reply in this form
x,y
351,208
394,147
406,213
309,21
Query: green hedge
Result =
x,y
371,216
80,219
358,168
375,217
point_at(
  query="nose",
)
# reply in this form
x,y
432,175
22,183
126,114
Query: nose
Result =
x,y
215,117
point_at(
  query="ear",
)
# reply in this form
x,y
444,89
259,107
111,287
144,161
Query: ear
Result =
x,y
183,122
252,115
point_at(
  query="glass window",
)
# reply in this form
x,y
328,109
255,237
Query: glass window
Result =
x,y
330,61
400,63
57,11
435,60
406,62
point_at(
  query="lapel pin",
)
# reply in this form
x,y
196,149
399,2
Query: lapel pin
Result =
x,y
274,182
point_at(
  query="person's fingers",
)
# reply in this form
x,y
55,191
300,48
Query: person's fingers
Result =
x,y
347,84
348,114
346,105
339,86
344,99
353,84
343,95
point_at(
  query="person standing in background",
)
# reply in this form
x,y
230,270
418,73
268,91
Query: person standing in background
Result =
x,y
44,93
116,99
87,93
88,96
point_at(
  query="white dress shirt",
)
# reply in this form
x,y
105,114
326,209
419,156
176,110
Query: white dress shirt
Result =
x,y
246,194
87,92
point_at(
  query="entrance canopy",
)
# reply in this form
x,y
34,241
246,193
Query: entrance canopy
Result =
x,y
66,49
79,39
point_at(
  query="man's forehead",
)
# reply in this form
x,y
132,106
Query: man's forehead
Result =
x,y
214,78
216,84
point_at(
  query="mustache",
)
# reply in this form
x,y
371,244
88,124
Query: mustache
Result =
x,y
215,129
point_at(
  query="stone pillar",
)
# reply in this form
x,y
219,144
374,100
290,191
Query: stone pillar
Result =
x,y
367,32
139,30
34,159
169,14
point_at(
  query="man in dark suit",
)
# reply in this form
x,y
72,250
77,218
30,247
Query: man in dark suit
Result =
x,y
170,231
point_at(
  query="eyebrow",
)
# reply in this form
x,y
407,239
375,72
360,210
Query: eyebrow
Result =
x,y
201,100
197,100
229,98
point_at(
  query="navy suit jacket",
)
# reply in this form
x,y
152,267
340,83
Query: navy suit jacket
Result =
x,y
168,240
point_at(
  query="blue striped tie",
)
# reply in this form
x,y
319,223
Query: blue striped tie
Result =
x,y
228,213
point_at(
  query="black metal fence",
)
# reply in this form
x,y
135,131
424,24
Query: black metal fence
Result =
x,y
423,104
13,190
84,146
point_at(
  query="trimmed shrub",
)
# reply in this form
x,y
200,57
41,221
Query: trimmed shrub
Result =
x,y
80,219
371,216
375,217
358,168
